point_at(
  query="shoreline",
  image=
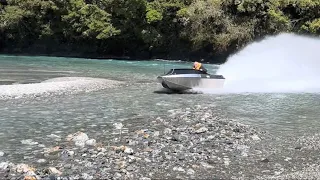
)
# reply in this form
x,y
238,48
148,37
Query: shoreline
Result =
x,y
127,58
190,143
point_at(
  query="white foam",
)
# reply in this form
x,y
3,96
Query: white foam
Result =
x,y
56,86
282,63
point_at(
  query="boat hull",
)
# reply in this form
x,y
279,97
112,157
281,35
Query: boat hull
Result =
x,y
181,82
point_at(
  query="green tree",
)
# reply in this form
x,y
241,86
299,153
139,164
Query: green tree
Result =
x,y
161,27
87,21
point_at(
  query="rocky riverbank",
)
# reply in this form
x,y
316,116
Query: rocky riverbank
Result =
x,y
187,144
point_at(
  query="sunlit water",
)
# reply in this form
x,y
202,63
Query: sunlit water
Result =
x,y
136,102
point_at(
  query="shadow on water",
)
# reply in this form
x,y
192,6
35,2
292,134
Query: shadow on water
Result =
x,y
168,91
6,82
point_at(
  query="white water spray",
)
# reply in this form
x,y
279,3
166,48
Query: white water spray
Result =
x,y
282,63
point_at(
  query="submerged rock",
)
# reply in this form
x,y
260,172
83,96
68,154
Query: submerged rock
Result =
x,y
41,161
78,138
255,137
54,136
52,150
29,142
53,170
91,142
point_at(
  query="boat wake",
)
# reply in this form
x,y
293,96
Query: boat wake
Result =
x,y
285,63
56,86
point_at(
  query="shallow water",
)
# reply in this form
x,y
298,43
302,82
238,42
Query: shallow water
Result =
x,y
136,103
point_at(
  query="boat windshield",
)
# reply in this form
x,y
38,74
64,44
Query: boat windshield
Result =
x,y
185,71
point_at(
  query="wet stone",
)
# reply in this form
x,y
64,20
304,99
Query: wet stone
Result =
x,y
68,166
4,165
298,147
174,138
190,172
201,130
132,143
41,161
265,160
181,157
130,168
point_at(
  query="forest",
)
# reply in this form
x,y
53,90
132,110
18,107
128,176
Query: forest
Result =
x,y
148,29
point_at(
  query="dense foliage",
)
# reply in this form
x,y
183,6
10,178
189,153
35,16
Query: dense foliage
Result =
x,y
149,28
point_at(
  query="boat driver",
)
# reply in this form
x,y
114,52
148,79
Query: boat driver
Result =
x,y
199,67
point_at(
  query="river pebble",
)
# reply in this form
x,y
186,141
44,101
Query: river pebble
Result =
x,y
190,143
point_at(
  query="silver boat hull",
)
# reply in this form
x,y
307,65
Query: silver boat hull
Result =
x,y
181,82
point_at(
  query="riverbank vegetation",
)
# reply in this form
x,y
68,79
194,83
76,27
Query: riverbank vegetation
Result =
x,y
149,28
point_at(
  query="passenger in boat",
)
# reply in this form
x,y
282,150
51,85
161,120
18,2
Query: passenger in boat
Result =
x,y
199,67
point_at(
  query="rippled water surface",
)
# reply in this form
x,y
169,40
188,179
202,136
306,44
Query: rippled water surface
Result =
x,y
136,103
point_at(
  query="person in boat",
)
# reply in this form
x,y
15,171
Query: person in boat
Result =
x,y
199,67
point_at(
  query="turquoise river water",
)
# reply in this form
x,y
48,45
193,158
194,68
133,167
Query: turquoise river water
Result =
x,y
285,108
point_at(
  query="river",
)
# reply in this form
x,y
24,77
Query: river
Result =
x,y
267,88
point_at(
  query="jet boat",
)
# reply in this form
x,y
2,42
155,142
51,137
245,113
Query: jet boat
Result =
x,y
185,79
